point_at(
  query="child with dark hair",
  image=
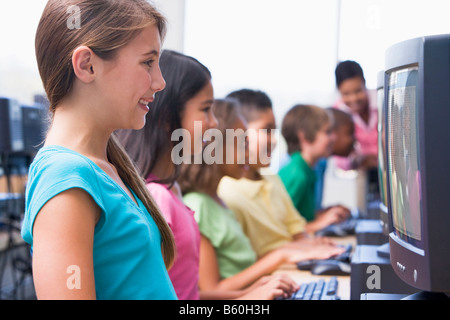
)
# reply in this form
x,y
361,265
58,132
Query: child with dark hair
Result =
x,y
343,146
309,136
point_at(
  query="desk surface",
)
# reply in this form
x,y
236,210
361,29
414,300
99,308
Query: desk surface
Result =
x,y
300,276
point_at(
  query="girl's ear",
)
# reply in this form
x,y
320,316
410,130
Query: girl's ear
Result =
x,y
83,66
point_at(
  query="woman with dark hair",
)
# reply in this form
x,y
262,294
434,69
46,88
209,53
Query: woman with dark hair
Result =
x,y
185,102
356,100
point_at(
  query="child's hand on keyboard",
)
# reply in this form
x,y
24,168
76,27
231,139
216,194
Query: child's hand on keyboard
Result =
x,y
271,287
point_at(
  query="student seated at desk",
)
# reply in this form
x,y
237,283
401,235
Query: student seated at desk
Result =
x,y
227,259
309,136
186,99
260,202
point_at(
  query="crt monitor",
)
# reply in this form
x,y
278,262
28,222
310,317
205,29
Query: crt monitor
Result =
x,y
22,127
11,134
417,98
34,127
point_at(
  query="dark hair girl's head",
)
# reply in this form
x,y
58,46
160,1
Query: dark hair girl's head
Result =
x,y
200,177
185,77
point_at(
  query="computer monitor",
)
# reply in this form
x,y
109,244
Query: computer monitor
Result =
x,y
11,134
34,127
22,127
417,98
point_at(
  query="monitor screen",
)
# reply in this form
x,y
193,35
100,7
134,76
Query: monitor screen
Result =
x,y
403,154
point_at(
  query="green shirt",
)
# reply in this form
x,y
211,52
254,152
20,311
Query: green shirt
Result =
x,y
299,180
233,249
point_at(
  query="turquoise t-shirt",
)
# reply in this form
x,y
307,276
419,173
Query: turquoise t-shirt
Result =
x,y
300,182
128,263
232,247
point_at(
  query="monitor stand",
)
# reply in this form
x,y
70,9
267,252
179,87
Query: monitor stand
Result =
x,y
384,251
382,296
425,295
370,232
373,274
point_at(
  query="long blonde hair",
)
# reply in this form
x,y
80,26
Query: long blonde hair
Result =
x,y
104,26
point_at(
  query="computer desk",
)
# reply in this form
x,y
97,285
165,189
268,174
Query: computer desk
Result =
x,y
306,276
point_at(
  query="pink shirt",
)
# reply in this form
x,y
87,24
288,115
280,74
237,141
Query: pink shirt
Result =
x,y
185,271
366,134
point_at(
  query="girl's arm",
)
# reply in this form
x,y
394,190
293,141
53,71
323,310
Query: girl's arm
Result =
x,y
209,269
210,276
63,235
238,286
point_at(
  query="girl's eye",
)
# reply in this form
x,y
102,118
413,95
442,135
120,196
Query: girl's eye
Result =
x,y
149,63
206,109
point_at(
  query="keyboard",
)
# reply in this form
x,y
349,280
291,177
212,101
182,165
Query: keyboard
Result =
x,y
343,257
318,290
345,228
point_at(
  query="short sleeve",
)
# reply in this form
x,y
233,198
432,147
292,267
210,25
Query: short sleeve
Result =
x,y
294,221
209,219
52,175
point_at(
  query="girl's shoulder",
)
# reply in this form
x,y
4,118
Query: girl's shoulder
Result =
x,y
56,162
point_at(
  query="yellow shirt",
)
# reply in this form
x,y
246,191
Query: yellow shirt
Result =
x,y
264,209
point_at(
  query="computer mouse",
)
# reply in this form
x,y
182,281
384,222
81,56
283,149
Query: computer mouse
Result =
x,y
331,267
305,264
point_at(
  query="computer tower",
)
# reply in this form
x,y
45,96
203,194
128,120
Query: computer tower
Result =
x,y
370,232
34,126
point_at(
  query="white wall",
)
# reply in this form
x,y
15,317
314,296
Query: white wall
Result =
x,y
174,10
286,47
19,77
368,27
289,48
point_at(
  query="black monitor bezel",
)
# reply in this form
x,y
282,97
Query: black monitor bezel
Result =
x,y
418,244
384,214
425,266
